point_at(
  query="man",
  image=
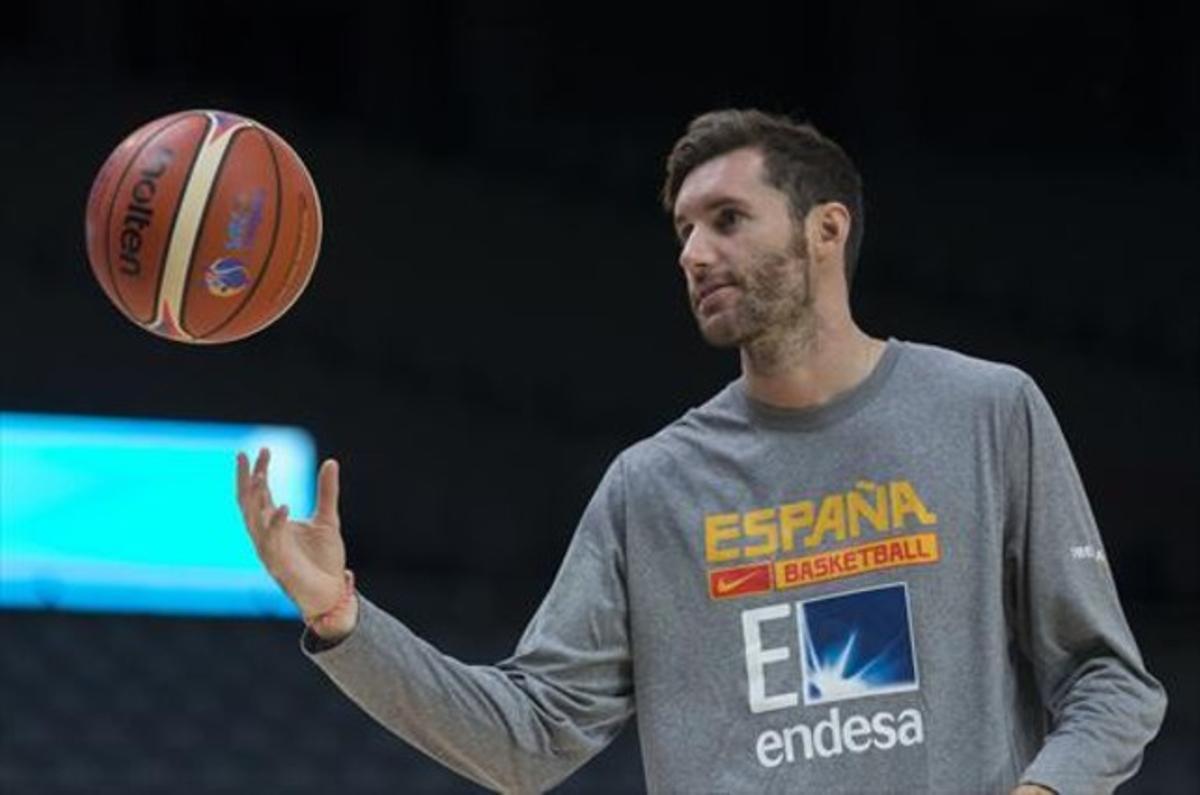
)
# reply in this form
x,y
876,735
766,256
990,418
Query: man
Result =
x,y
863,566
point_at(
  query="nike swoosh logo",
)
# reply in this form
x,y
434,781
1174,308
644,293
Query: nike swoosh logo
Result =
x,y
725,586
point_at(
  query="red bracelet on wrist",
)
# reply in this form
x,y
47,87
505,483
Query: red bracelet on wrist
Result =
x,y
320,619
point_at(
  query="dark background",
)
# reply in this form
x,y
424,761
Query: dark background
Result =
x,y
497,311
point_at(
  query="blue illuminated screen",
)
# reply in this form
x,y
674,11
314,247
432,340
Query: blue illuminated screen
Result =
x,y
106,514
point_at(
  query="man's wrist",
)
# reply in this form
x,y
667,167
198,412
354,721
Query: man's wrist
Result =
x,y
338,621
339,624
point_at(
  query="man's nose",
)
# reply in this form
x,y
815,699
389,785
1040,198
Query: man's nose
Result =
x,y
697,252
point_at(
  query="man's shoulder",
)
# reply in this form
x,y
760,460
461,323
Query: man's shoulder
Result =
x,y
961,374
720,415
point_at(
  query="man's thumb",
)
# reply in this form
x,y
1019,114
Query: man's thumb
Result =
x,y
327,491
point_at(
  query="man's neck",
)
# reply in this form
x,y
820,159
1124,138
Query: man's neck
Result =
x,y
809,367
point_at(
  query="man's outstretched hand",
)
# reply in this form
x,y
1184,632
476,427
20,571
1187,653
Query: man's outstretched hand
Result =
x,y
306,558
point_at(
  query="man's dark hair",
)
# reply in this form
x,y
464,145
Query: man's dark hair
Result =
x,y
798,160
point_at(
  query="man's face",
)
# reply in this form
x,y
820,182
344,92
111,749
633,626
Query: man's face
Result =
x,y
743,254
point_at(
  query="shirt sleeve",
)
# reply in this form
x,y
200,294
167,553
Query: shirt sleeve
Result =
x,y
524,724
1103,705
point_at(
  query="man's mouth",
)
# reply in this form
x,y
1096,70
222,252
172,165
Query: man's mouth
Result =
x,y
711,291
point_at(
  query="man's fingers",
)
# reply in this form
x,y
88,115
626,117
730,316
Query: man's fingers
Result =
x,y
260,477
278,518
263,520
262,462
262,493
272,522
256,508
327,492
247,498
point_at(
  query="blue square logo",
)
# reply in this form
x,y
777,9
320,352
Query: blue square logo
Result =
x,y
857,644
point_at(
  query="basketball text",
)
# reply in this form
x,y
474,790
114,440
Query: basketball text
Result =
x,y
139,212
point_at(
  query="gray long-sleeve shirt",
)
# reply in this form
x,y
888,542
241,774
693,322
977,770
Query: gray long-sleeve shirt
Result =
x,y
901,590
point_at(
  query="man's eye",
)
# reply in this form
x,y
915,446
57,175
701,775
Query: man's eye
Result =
x,y
727,219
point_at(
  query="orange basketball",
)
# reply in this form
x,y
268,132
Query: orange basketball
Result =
x,y
203,227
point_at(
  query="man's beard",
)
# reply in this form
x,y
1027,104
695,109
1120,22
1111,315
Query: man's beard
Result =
x,y
774,299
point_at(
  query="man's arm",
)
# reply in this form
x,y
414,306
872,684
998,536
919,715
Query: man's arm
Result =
x,y
526,723
1104,706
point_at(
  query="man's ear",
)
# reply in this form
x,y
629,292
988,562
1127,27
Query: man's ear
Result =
x,y
833,223
828,229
